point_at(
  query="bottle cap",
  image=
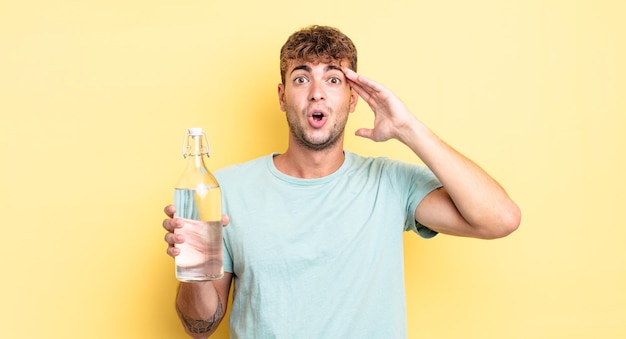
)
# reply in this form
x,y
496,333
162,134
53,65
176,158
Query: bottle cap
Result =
x,y
195,131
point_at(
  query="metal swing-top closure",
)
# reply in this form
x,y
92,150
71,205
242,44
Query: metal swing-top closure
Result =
x,y
188,144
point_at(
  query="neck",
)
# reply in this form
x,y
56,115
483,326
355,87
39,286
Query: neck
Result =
x,y
304,163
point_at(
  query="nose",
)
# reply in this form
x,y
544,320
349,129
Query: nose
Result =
x,y
317,91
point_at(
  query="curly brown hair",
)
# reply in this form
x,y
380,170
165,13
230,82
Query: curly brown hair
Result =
x,y
317,43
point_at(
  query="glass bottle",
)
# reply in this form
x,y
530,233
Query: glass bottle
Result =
x,y
198,201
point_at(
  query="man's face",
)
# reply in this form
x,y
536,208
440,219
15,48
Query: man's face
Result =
x,y
317,99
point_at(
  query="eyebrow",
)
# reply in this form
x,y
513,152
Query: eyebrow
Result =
x,y
302,67
309,69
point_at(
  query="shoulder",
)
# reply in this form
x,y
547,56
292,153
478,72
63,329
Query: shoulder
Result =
x,y
237,171
394,171
383,164
357,161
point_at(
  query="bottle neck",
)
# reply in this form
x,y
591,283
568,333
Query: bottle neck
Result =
x,y
195,147
196,175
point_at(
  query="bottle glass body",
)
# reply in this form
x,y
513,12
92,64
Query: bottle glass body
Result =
x,y
198,201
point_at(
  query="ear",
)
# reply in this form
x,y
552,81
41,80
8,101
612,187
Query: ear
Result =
x,y
354,98
281,96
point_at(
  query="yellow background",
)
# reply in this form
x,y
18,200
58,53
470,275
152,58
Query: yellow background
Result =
x,y
95,97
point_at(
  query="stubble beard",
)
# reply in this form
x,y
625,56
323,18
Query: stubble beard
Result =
x,y
319,143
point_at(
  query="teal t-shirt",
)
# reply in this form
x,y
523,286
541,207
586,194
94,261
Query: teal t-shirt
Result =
x,y
320,258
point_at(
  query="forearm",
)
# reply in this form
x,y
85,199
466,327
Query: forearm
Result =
x,y
199,307
480,200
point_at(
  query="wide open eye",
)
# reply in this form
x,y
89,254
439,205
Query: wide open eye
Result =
x,y
300,80
334,80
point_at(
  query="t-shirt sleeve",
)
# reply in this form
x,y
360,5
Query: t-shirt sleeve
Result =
x,y
424,231
415,182
228,260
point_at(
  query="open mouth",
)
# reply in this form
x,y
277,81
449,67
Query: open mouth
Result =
x,y
317,116
317,119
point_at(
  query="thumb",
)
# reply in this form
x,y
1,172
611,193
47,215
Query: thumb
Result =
x,y
365,133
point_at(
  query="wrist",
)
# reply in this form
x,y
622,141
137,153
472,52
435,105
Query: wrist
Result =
x,y
411,132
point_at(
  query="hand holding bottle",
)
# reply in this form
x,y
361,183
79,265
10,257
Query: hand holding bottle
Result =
x,y
170,224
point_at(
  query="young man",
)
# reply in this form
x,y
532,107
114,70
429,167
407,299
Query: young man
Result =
x,y
314,243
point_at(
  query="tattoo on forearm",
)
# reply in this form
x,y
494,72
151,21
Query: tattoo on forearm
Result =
x,y
202,326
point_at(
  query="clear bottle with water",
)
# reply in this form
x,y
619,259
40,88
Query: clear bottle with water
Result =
x,y
198,201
